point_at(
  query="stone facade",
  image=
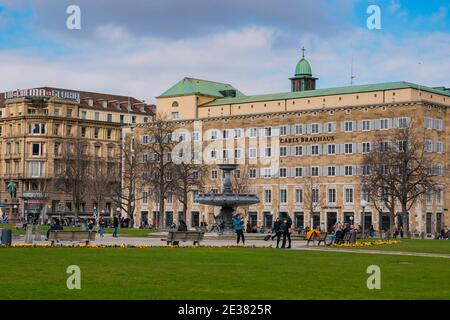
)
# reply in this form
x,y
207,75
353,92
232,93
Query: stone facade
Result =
x,y
321,131
32,129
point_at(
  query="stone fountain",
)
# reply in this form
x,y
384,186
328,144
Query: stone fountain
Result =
x,y
228,201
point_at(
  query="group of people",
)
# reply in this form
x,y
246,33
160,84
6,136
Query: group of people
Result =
x,y
281,229
87,225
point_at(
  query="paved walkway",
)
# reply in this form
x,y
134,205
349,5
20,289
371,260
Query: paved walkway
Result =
x,y
251,242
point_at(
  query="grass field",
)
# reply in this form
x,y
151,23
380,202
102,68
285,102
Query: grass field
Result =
x,y
217,273
123,232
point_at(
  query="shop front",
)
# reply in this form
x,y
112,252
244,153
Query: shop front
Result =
x,y
34,206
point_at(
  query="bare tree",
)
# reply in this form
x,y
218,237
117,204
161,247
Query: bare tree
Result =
x,y
188,178
124,192
312,197
104,179
241,179
399,171
73,174
159,166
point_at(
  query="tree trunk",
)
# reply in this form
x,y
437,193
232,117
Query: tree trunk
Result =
x,y
161,213
405,220
392,222
185,207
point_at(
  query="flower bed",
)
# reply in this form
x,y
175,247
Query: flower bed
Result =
x,y
365,244
135,246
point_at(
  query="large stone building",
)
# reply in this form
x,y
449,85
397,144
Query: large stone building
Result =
x,y
317,139
34,123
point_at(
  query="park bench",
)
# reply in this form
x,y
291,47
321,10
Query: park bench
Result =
x,y
74,236
346,239
174,237
321,238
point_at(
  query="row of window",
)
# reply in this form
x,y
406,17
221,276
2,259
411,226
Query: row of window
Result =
x,y
40,129
309,150
301,195
436,124
313,128
110,118
315,171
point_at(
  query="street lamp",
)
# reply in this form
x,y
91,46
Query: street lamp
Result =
x,y
363,204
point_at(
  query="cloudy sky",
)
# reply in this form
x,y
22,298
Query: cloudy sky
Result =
x,y
142,47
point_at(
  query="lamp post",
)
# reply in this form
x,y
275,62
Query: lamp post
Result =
x,y
363,217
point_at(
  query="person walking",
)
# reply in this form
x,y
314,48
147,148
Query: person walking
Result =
x,y
238,225
115,226
371,231
101,225
276,231
287,232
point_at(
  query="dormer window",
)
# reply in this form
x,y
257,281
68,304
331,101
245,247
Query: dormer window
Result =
x,y
91,102
105,104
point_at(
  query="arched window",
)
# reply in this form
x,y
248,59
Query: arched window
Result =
x,y
175,104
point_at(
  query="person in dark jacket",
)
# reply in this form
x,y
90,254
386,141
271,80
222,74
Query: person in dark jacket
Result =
x,y
182,226
286,230
276,232
55,226
115,226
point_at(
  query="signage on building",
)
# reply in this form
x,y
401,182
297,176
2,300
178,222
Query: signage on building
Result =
x,y
48,93
34,195
311,139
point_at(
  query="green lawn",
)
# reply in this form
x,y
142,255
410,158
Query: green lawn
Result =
x,y
217,273
123,232
408,245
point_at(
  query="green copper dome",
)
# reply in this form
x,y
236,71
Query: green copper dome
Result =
x,y
303,68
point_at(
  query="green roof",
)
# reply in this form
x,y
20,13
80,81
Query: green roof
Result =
x,y
326,92
189,86
303,68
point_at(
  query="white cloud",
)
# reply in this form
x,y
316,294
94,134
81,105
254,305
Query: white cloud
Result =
x,y
111,32
248,58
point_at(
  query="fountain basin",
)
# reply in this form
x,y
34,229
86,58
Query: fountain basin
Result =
x,y
227,199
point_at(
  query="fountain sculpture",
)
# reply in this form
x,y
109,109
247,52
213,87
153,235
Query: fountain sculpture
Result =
x,y
227,200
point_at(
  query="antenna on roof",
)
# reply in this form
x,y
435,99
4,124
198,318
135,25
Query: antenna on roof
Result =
x,y
352,76
420,63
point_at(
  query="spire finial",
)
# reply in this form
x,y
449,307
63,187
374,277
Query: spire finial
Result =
x,y
303,52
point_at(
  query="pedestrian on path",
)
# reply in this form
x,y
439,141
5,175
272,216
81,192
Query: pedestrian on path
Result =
x,y
286,229
101,225
238,225
115,226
